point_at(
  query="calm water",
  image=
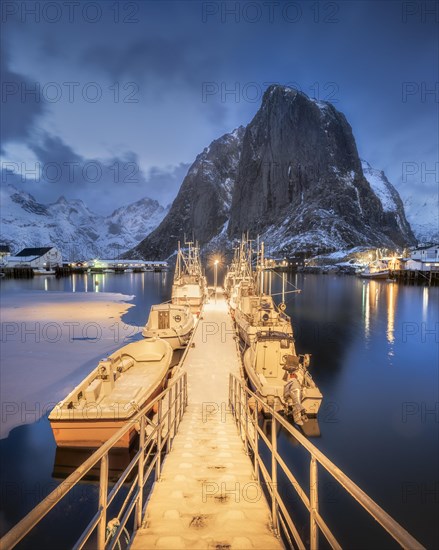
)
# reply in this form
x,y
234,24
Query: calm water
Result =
x,y
375,358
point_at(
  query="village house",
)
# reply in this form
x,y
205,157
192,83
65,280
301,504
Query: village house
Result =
x,y
41,258
424,258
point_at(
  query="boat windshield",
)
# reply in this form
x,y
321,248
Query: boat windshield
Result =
x,y
275,335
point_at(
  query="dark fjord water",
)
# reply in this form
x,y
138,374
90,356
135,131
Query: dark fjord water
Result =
x,y
374,349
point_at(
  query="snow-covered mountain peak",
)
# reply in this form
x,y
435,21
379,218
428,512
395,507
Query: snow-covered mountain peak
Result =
x,y
72,227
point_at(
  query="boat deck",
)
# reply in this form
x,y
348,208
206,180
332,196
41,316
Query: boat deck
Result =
x,y
206,496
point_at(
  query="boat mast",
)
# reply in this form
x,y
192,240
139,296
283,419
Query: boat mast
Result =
x,y
283,287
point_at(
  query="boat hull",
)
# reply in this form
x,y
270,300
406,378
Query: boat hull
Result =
x,y
271,390
111,395
179,341
90,433
384,274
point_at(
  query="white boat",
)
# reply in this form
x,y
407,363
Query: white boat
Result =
x,y
280,377
189,287
378,274
375,270
173,323
111,394
108,270
255,313
44,271
239,276
253,310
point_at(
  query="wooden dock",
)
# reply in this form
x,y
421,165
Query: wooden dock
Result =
x,y
206,496
416,277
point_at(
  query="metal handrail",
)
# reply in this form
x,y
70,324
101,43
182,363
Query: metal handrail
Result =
x,y
247,422
168,421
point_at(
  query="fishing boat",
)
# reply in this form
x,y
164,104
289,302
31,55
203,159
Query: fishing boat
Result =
x,y
375,270
173,323
256,313
111,395
239,279
280,377
255,310
189,286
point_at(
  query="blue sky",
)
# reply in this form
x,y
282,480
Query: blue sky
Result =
x,y
128,93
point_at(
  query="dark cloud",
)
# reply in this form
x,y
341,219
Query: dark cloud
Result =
x,y
20,107
103,184
363,51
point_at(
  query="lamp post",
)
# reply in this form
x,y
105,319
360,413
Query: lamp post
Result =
x,y
215,276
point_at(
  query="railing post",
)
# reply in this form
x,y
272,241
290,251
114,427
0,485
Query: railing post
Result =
x,y
230,392
103,494
274,506
169,417
256,457
246,421
141,464
181,395
176,397
314,503
235,414
159,439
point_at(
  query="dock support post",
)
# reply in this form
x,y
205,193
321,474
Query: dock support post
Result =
x,y
274,506
314,504
139,504
103,494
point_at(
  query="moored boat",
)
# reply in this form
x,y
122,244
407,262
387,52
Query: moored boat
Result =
x,y
173,323
111,395
375,270
256,313
189,286
379,274
281,377
44,271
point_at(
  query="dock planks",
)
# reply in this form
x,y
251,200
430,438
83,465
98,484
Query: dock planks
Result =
x,y
206,496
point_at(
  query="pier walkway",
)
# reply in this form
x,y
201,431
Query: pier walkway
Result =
x,y
206,496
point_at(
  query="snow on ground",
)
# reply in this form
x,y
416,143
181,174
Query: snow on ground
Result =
x,y
49,342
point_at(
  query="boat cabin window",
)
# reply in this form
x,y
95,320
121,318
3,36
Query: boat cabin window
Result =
x,y
284,343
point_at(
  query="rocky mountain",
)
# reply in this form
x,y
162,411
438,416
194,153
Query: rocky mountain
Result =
x,y
294,177
72,227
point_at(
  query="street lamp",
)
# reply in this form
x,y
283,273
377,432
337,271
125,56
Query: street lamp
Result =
x,y
215,276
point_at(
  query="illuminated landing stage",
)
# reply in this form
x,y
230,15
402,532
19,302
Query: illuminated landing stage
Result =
x,y
209,476
207,496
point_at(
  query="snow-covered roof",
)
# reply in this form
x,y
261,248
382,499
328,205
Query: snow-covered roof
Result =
x,y
40,251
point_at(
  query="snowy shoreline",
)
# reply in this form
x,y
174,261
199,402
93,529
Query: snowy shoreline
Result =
x,y
50,341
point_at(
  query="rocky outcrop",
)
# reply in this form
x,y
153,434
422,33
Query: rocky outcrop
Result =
x,y
300,182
